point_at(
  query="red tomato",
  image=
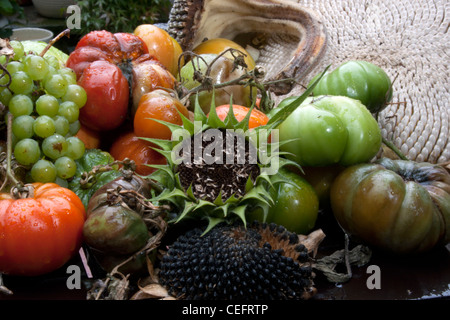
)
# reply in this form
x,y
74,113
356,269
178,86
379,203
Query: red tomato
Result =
x,y
90,138
41,233
160,105
257,118
107,96
140,151
130,66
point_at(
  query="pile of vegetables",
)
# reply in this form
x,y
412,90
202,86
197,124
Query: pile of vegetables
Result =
x,y
88,153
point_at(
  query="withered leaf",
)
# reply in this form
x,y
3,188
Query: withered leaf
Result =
x,y
358,256
154,290
5,48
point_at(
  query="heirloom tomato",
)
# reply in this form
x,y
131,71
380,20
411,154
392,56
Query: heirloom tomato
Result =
x,y
221,70
90,138
159,105
107,65
112,226
160,45
321,179
140,151
396,205
256,119
85,184
219,45
329,130
360,80
107,91
39,233
296,205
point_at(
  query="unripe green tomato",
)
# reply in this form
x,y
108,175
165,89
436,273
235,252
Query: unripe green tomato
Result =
x,y
296,204
221,72
360,80
328,130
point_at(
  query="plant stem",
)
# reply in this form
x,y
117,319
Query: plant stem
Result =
x,y
395,149
9,174
54,40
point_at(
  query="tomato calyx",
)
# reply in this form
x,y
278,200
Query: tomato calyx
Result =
x,y
89,178
22,191
126,66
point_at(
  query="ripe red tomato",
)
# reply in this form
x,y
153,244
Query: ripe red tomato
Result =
x,y
90,138
130,65
41,233
140,151
257,118
107,96
160,105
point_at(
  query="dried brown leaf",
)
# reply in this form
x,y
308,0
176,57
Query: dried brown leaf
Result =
x,y
5,48
155,290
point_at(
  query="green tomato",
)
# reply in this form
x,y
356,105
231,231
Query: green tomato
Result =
x,y
83,188
296,204
329,130
360,80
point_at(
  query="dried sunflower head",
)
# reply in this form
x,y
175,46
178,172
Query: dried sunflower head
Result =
x,y
219,170
234,262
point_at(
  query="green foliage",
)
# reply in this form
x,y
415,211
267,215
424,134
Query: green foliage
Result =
x,y
9,8
120,15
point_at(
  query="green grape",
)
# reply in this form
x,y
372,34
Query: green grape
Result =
x,y
43,171
77,94
27,152
68,74
15,66
2,60
74,127
62,125
44,126
55,85
75,148
35,66
51,71
21,83
52,61
18,48
54,146
65,167
5,96
47,105
69,110
4,79
22,127
20,105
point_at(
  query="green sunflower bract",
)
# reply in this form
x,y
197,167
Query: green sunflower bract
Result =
x,y
216,179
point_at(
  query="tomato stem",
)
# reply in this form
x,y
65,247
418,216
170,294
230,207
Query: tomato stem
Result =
x,y
9,173
396,150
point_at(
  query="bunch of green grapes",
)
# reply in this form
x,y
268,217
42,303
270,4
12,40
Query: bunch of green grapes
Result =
x,y
44,98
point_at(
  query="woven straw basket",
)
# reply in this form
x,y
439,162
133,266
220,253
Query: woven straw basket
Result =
x,y
409,39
